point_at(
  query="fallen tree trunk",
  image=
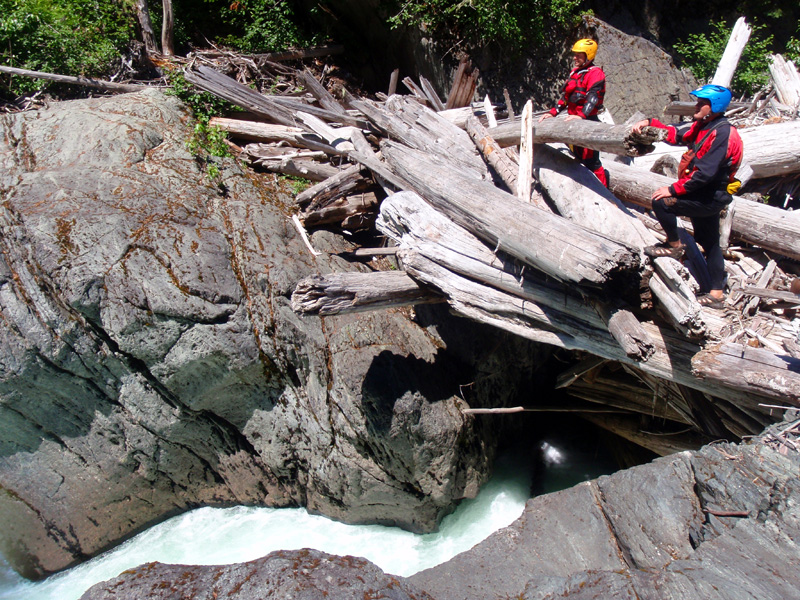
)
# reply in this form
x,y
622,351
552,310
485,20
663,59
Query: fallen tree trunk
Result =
x,y
108,86
765,226
733,50
344,183
352,212
614,139
255,131
357,292
564,250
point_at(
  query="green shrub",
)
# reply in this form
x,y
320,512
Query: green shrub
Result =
x,y
701,54
67,37
511,24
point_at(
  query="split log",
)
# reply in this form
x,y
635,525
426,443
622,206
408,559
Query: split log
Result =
x,y
564,250
414,88
338,293
346,182
108,86
733,51
765,226
763,282
431,95
629,333
786,79
614,139
464,83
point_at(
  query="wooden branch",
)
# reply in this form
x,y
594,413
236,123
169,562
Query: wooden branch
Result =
x,y
340,293
108,86
614,139
750,290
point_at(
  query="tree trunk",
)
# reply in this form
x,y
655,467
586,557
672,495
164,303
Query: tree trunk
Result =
x,y
733,51
614,139
148,36
167,27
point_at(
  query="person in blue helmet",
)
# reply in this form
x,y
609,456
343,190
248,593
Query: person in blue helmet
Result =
x,y
706,180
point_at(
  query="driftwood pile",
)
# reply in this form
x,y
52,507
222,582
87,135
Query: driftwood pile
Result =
x,y
560,263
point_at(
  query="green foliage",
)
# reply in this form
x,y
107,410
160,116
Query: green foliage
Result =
x,y
511,24
701,54
68,37
298,184
793,48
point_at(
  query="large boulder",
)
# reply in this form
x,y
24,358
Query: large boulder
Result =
x,y
150,361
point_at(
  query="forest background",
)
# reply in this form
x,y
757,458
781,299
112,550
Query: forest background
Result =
x,y
104,38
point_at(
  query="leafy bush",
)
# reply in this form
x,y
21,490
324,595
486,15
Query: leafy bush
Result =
x,y
511,24
701,54
68,37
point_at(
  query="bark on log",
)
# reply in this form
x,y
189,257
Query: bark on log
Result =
x,y
337,293
733,51
765,226
564,250
614,139
108,86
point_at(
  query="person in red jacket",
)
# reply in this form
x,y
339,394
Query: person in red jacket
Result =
x,y
706,180
583,98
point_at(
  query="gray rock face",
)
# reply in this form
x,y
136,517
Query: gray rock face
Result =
x,y
299,574
150,361
721,523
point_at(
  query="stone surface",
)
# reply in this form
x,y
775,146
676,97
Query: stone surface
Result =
x,y
298,574
150,361
650,533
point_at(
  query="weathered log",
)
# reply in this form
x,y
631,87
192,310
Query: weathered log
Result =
x,y
682,108
614,139
431,95
274,108
323,96
751,369
414,89
763,281
346,182
108,86
750,290
626,329
393,79
733,50
677,303
419,127
295,165
259,132
525,177
505,168
352,212
338,293
662,444
765,226
564,250
786,79
464,84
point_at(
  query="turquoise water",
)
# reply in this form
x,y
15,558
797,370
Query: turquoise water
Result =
x,y
221,536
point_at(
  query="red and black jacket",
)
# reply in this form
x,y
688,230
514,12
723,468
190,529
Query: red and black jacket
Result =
x,y
714,155
583,93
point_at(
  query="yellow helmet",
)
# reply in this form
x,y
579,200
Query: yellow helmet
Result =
x,y
589,47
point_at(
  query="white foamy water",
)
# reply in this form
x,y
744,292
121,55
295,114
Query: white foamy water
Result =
x,y
222,536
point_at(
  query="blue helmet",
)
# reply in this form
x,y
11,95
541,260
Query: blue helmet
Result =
x,y
719,96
